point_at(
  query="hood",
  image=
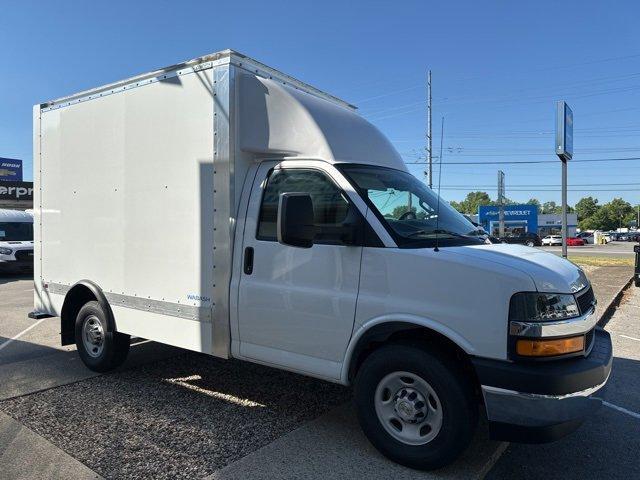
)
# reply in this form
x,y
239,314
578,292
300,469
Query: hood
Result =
x,y
17,244
549,272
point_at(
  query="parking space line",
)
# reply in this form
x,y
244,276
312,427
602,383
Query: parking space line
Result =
x,y
12,339
630,338
621,409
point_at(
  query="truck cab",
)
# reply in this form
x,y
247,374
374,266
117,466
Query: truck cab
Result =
x,y
16,240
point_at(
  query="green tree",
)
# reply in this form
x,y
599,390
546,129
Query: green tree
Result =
x,y
536,202
471,202
551,207
610,216
586,208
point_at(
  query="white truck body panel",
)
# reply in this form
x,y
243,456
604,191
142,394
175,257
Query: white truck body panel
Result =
x,y
138,185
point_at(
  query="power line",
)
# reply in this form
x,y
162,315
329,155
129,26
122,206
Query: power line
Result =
x,y
544,190
520,185
525,162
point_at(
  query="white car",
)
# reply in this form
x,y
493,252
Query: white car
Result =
x,y
16,240
552,240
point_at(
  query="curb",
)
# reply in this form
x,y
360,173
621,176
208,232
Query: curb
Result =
x,y
613,305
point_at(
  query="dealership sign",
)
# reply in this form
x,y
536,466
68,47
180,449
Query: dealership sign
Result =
x,y
10,170
520,216
21,191
564,131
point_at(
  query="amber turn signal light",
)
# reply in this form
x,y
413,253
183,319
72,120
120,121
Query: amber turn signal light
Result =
x,y
549,348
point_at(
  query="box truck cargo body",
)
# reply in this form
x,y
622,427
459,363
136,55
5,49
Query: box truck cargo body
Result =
x,y
224,207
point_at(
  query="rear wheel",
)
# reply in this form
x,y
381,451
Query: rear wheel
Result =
x,y
530,243
100,347
416,408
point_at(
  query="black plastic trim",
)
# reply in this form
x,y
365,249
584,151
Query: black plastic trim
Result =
x,y
507,432
550,378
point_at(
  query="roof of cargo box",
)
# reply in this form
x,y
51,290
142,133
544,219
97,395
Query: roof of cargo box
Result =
x,y
193,65
276,119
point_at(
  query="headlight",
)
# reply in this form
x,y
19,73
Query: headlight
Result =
x,y
542,307
5,251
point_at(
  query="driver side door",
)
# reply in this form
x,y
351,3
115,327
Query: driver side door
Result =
x,y
296,306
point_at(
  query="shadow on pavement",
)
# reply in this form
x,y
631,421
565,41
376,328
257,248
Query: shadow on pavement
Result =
x,y
8,276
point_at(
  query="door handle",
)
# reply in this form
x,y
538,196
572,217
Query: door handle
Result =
x,y
248,260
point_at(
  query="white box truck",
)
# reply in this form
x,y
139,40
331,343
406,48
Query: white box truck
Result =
x,y
224,207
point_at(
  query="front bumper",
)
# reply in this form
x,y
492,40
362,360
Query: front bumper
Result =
x,y
544,401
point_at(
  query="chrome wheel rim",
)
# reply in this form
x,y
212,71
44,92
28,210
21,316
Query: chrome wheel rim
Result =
x,y
93,336
408,408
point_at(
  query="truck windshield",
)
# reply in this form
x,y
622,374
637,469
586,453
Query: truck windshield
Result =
x,y
409,209
16,231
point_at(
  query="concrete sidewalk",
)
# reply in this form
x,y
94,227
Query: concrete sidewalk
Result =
x,y
24,455
333,447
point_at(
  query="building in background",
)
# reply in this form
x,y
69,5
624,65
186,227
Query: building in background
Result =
x,y
15,194
10,170
520,219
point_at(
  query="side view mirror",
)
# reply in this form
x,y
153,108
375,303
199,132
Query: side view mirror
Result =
x,y
295,220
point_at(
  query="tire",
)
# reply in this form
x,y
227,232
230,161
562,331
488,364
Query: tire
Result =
x,y
100,347
529,243
419,442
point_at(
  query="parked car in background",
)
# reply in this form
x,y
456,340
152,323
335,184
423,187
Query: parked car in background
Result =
x,y
575,242
607,237
586,237
16,240
552,240
629,237
527,238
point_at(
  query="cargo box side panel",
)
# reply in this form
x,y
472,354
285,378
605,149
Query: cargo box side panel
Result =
x,y
127,202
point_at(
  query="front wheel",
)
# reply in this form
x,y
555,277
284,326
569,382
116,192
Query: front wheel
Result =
x,y
530,243
416,408
100,347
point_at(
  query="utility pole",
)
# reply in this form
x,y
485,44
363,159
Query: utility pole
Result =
x,y
429,137
501,203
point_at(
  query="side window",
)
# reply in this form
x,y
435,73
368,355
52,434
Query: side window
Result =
x,y
330,207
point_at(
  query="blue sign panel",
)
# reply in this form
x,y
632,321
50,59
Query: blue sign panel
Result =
x,y
564,131
517,219
10,170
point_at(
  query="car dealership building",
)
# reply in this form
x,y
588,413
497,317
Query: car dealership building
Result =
x,y
524,218
15,194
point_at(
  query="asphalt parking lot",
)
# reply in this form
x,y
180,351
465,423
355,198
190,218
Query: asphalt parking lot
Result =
x,y
168,413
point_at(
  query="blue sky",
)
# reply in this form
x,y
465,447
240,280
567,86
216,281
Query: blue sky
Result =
x,y
498,68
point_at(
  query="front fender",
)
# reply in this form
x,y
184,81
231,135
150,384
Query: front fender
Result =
x,y
399,318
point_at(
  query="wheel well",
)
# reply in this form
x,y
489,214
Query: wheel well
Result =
x,y
408,333
73,302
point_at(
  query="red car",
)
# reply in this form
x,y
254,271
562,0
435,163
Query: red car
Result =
x,y
575,242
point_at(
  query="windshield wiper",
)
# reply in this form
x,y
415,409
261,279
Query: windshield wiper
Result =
x,y
434,232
